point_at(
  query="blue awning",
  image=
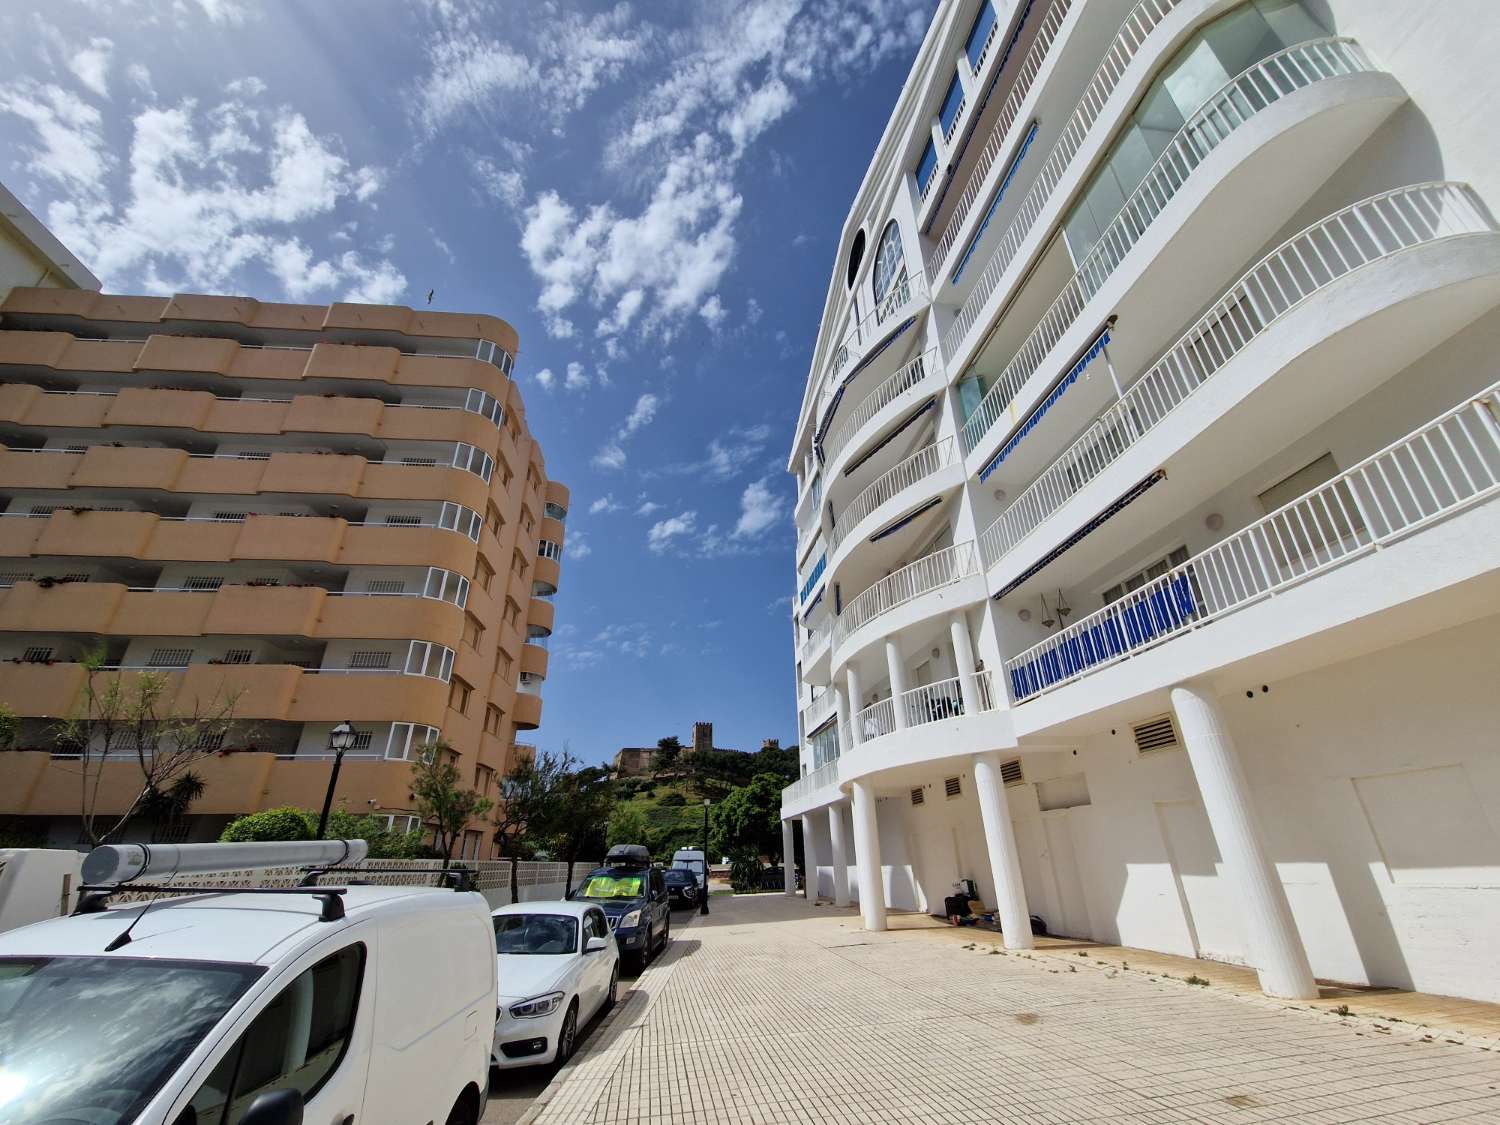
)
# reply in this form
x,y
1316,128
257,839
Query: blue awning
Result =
x,y
838,395
1010,174
1045,405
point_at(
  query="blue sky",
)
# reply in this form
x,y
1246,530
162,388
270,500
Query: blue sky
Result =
x,y
650,193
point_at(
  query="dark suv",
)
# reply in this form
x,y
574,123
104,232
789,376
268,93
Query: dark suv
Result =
x,y
633,896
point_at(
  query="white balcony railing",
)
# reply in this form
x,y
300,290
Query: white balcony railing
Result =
x,y
876,720
1449,464
1359,235
810,783
931,572
995,143
931,703
1268,81
918,467
1138,25
817,638
906,292
907,377
816,712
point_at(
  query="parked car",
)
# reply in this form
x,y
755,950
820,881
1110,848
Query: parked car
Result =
x,y
558,968
692,859
250,1007
682,886
633,896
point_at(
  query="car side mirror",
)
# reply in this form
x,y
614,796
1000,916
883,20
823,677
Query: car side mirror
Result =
x,y
596,945
275,1107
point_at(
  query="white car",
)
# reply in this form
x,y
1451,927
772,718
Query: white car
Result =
x,y
558,967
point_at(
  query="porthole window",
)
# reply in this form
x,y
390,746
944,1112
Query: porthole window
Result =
x,y
889,260
856,256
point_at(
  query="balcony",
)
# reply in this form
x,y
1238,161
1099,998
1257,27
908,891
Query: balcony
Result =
x,y
881,409
808,791
907,483
906,298
528,711
1448,466
953,569
817,712
1274,79
931,703
1382,229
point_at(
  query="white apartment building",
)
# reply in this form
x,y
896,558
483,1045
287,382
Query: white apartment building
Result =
x,y
1148,551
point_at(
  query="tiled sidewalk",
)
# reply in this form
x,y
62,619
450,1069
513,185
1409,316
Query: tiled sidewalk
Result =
x,y
771,1011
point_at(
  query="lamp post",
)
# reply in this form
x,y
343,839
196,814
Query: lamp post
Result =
x,y
703,906
340,739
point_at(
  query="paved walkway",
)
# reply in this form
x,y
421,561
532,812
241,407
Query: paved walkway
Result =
x,y
773,1011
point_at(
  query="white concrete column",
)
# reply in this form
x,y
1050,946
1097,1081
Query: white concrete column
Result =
x,y
1005,859
1275,946
788,858
897,671
810,859
841,711
963,660
856,704
840,849
867,856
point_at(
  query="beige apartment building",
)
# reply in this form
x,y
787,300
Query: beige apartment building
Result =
x,y
329,513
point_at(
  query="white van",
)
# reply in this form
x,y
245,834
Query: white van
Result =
x,y
349,1004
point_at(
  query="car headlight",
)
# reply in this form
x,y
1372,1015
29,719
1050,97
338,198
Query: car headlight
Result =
x,y
536,1006
631,919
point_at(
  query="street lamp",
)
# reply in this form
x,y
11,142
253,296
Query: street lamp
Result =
x,y
703,906
340,741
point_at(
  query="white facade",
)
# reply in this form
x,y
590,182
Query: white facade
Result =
x,y
1148,565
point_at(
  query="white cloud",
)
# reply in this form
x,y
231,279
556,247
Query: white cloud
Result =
x,y
649,507
642,415
610,456
753,311
578,546
545,379
505,184
69,148
605,503
231,13
576,379
712,311
140,74
663,534
90,65
760,509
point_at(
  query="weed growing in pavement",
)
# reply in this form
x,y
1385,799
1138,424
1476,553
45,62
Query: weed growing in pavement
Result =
x,y
1341,1010
1072,968
1082,953
1196,979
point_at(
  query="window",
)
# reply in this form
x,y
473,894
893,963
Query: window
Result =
x,y
203,582
296,1042
385,586
459,694
362,740
424,658
857,256
518,563
485,573
926,169
1145,574
512,611
465,521
239,656
446,586
170,658
978,43
493,521
889,260
493,719
506,476
369,659
528,521
483,403
953,101
503,663
473,631
476,461
533,481
554,511
406,739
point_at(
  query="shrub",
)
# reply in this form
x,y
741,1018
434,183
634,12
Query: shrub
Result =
x,y
285,823
673,799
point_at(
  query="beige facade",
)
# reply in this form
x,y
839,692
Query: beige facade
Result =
x,y
336,513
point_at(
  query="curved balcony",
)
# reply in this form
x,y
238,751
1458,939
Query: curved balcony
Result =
x,y
817,712
808,791
815,645
953,718
528,711
906,298
998,141
540,616
1447,466
1274,79
534,660
1303,268
912,593
879,410
546,576
932,469
556,495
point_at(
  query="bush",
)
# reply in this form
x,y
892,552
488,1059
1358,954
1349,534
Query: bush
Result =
x,y
674,799
744,871
285,823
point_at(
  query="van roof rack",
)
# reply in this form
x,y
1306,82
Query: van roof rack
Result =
x,y
455,877
93,898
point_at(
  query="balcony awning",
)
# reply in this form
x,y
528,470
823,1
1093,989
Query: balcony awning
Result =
x,y
1067,544
906,519
1010,174
1045,405
838,395
853,466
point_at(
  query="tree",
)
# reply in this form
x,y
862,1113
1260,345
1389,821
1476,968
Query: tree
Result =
x,y
166,809
526,814
627,825
749,818
290,823
783,761
134,717
580,813
444,804
665,760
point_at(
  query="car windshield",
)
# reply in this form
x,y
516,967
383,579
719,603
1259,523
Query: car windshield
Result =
x,y
604,885
93,1038
536,933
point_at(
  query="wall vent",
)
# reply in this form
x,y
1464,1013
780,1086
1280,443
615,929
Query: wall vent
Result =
x,y
917,796
1155,734
1010,772
952,787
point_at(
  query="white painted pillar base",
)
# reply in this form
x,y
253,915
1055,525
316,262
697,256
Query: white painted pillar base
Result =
x,y
1275,946
840,849
809,859
897,669
788,858
867,855
1005,860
